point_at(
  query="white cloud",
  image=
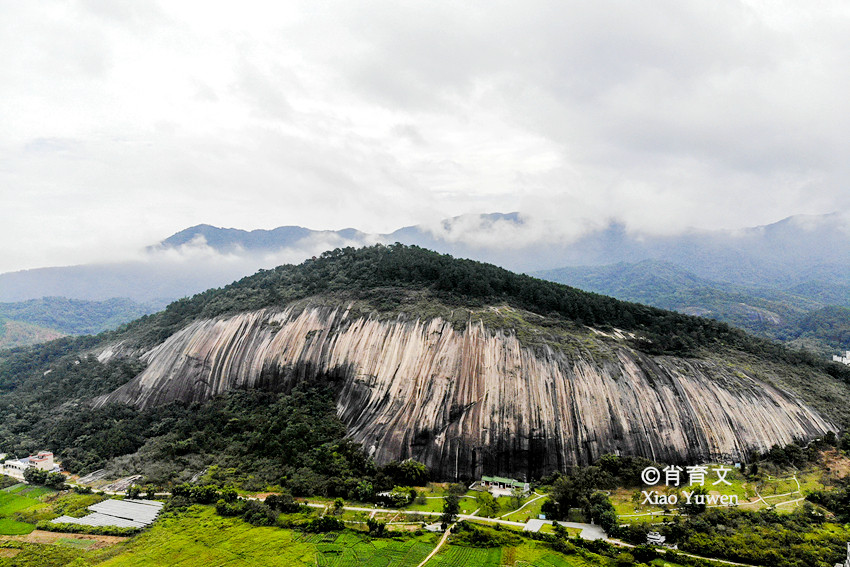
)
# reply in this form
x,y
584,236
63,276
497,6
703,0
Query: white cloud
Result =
x,y
124,122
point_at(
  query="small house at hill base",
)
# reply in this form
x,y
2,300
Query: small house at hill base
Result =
x,y
502,483
16,467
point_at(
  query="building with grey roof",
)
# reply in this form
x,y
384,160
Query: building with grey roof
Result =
x,y
119,513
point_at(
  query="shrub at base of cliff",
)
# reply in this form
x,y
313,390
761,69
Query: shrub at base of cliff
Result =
x,y
83,529
479,536
602,512
52,480
283,502
254,512
761,538
579,490
376,528
398,497
324,524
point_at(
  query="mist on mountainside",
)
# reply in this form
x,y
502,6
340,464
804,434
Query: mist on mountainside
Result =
x,y
798,251
766,279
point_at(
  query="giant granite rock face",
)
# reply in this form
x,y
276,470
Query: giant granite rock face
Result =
x,y
476,401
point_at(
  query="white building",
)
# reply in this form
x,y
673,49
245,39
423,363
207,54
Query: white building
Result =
x,y
504,485
842,359
16,467
43,461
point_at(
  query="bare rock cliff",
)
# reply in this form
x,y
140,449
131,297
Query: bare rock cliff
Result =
x,y
476,401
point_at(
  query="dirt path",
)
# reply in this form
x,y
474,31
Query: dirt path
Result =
x,y
40,536
439,545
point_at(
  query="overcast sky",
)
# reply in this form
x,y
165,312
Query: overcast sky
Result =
x,y
123,122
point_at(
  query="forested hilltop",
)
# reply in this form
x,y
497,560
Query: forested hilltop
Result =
x,y
367,272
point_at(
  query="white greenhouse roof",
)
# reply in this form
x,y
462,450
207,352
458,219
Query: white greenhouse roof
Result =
x,y
119,513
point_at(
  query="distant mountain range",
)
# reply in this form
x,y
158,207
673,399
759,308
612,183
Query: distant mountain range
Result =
x,y
765,279
815,316
796,250
47,318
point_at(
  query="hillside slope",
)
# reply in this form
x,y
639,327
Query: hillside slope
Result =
x,y
800,316
77,316
17,333
471,400
465,366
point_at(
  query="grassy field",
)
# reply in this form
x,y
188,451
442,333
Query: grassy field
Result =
x,y
9,526
534,554
20,500
20,497
200,537
342,550
530,511
434,493
456,556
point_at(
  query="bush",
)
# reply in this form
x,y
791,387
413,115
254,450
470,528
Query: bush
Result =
x,y
229,509
479,536
376,528
324,524
82,529
398,497
283,502
257,513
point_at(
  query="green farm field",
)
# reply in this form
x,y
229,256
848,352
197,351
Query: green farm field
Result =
x,y
198,536
17,501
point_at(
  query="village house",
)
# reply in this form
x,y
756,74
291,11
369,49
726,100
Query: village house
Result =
x,y
499,483
16,467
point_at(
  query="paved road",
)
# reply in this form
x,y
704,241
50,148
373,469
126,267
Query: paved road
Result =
x,y
588,531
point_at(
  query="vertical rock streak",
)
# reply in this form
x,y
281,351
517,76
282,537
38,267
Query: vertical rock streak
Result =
x,y
475,401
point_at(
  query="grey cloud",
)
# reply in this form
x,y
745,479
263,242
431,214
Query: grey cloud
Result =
x,y
140,118
264,91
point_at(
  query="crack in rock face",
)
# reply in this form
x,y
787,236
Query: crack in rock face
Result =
x,y
475,401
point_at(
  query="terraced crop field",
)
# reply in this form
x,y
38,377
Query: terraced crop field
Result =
x,y
18,498
352,550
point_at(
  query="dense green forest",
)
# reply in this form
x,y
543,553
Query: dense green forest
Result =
x,y
252,439
830,324
805,315
77,316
